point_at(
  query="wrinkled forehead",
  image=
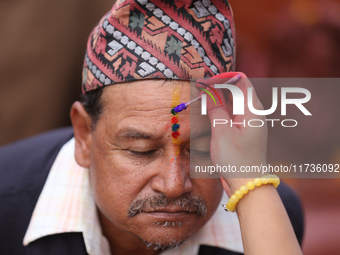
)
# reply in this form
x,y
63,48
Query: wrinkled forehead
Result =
x,y
146,105
146,95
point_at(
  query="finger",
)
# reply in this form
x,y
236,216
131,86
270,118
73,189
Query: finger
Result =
x,y
219,118
248,119
250,97
218,114
218,79
254,125
211,82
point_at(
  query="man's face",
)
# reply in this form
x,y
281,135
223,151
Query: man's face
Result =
x,y
139,174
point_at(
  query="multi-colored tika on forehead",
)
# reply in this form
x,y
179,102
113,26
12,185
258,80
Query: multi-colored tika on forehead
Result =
x,y
175,115
160,39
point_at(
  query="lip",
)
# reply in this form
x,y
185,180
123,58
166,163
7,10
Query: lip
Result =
x,y
169,215
170,210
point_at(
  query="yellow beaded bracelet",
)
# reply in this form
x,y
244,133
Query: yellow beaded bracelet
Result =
x,y
257,182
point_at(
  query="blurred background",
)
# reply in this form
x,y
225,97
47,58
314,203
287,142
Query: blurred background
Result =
x,y
42,48
300,39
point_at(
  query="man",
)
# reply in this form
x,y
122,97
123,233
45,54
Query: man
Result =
x,y
122,185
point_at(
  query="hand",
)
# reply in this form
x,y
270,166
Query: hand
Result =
x,y
261,213
236,144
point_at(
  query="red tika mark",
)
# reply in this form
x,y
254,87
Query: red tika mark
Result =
x,y
175,134
174,120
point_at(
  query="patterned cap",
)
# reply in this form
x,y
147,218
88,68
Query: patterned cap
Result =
x,y
160,39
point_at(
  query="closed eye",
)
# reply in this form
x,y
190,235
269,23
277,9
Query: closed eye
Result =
x,y
143,153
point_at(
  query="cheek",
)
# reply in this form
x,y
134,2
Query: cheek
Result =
x,y
115,185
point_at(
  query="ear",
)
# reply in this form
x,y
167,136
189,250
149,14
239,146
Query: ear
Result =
x,y
81,123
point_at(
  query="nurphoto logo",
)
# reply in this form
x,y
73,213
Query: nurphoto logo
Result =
x,y
238,106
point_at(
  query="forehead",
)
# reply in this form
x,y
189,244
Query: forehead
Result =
x,y
146,105
146,96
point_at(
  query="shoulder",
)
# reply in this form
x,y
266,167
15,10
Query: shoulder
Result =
x,y
24,167
28,161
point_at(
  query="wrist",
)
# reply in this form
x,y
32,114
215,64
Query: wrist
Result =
x,y
236,183
251,185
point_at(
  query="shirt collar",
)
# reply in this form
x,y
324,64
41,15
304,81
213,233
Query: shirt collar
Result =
x,y
66,205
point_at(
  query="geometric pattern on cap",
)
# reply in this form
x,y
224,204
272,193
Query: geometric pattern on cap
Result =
x,y
160,39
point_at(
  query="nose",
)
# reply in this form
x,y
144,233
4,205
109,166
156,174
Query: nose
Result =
x,y
173,179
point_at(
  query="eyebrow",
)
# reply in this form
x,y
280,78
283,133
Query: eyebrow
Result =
x,y
133,134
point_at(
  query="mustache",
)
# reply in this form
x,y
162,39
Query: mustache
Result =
x,y
187,202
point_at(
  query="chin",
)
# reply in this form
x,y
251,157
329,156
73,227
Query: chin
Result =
x,y
159,245
171,238
169,234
